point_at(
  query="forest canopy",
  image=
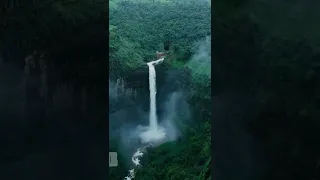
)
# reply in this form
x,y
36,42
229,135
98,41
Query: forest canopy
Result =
x,y
181,29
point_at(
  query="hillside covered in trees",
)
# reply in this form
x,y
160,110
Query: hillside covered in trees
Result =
x,y
181,29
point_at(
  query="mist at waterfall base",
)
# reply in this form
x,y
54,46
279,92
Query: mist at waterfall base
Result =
x,y
129,123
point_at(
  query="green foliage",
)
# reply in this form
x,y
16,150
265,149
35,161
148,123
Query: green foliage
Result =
x,y
177,64
189,158
146,25
137,30
123,57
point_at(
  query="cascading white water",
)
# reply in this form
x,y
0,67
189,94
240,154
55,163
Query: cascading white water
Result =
x,y
153,134
136,161
153,121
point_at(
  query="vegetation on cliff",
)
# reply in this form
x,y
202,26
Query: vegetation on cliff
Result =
x,y
137,30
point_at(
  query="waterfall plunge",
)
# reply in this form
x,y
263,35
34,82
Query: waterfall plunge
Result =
x,y
153,120
153,134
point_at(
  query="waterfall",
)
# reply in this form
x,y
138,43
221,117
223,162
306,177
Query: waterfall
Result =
x,y
153,134
153,122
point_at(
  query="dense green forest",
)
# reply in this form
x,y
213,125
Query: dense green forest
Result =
x,y
265,91
138,29
182,29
